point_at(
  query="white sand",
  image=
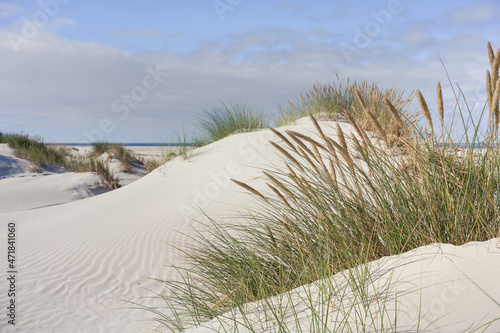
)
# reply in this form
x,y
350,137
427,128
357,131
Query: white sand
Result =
x,y
78,262
21,188
22,193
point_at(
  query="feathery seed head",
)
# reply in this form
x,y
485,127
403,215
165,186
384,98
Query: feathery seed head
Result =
x,y
394,112
440,104
425,109
250,189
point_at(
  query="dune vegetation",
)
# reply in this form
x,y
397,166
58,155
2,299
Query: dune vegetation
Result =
x,y
394,185
43,155
219,122
34,149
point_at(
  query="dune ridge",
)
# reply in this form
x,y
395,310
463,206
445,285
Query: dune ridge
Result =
x,y
80,262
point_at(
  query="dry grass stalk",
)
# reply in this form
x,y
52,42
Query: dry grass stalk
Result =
x,y
332,168
337,160
425,109
282,137
367,140
360,99
394,112
350,163
360,132
492,81
491,55
372,118
306,156
301,144
320,159
379,128
308,139
287,155
323,136
345,156
440,104
278,193
334,154
341,137
279,184
489,92
296,179
318,128
250,189
495,105
495,67
292,173
358,147
320,131
489,95
331,149
364,153
353,123
268,230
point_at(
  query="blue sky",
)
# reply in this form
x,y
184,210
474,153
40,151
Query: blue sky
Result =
x,y
137,71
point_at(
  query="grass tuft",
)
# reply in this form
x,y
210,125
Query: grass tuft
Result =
x,y
99,148
335,101
221,121
35,149
42,155
116,151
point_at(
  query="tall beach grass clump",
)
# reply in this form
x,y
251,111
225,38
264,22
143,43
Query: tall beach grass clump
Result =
x,y
341,202
43,155
92,164
332,101
35,149
116,151
221,121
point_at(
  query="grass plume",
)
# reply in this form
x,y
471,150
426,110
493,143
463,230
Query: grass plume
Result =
x,y
440,104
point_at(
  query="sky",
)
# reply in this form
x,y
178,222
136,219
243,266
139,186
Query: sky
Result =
x,y
144,70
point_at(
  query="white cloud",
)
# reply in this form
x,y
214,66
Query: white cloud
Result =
x,y
416,37
136,33
478,13
8,9
59,22
60,88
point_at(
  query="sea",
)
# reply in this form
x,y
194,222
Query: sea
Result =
x,y
135,144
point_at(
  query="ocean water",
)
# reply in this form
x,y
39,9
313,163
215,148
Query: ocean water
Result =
x,y
140,144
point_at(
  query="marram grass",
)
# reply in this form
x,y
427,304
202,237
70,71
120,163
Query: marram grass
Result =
x,y
221,121
43,155
329,212
333,100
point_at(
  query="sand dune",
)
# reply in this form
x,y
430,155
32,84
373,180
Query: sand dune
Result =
x,y
80,261
34,192
22,188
